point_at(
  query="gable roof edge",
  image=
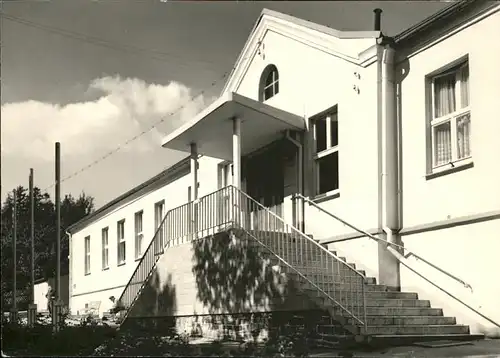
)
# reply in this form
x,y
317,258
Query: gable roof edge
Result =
x,y
168,175
300,22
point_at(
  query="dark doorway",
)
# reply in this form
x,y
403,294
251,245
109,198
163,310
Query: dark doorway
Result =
x,y
264,176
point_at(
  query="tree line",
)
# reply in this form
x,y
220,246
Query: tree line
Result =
x,y
72,210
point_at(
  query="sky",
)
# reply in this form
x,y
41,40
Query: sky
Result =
x,y
94,74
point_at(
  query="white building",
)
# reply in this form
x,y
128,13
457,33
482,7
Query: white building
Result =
x,y
396,136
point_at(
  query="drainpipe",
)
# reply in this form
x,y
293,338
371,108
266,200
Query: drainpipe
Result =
x,y
300,179
389,266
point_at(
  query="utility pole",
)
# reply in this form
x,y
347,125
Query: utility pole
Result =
x,y
57,306
32,306
13,310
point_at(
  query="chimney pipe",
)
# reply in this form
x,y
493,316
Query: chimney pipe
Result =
x,y
377,19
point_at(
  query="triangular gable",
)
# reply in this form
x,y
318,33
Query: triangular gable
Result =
x,y
353,46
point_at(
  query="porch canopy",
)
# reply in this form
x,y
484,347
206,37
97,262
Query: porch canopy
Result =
x,y
232,120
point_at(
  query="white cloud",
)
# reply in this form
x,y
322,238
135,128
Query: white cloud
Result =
x,y
124,108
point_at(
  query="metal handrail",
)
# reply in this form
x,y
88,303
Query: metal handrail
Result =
x,y
410,253
396,254
177,223
223,209
354,298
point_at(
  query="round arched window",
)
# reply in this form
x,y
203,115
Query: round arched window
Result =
x,y
269,83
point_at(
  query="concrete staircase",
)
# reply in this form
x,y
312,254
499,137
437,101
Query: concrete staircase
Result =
x,y
391,316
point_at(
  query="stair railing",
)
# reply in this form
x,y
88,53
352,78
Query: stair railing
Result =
x,y
401,256
329,275
179,225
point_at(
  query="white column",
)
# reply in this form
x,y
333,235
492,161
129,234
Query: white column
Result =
x,y
237,152
194,170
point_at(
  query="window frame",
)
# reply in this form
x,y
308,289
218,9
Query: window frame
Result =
x,y
159,245
86,249
434,122
121,241
105,248
329,150
138,235
269,70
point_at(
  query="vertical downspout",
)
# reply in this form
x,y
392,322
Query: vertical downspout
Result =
x,y
389,267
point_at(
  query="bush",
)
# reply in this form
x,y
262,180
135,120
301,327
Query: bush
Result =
x,y
42,341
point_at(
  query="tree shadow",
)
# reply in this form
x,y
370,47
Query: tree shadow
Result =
x,y
239,284
157,301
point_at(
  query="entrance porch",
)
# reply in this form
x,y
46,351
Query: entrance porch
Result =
x,y
257,144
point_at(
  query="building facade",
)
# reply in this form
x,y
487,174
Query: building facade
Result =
x,y
395,136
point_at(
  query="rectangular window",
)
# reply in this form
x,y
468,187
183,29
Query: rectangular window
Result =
x,y
87,255
159,234
450,126
120,236
105,248
326,152
138,235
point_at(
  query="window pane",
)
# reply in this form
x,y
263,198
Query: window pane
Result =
x,y
442,143
444,95
334,130
268,92
328,173
463,136
276,88
464,86
320,135
271,77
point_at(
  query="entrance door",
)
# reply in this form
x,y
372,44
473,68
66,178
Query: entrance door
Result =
x,y
264,173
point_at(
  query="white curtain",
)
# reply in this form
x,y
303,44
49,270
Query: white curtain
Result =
x,y
442,138
444,95
463,122
444,103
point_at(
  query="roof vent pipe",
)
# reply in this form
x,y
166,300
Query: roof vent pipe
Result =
x,y
377,12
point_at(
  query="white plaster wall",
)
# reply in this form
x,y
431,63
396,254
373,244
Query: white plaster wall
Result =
x,y
469,252
311,81
100,284
474,190
41,290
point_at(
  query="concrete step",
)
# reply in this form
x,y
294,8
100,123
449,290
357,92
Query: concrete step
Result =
x,y
420,330
311,291
408,339
325,279
403,330
353,299
407,321
403,311
392,312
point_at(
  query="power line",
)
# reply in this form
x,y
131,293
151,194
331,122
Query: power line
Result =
x,y
109,44
117,46
88,166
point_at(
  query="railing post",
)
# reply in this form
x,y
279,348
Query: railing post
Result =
x,y
294,211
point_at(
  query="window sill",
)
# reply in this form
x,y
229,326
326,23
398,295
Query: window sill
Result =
x,y
121,264
105,268
457,168
326,196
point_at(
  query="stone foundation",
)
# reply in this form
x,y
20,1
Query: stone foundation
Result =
x,y
257,326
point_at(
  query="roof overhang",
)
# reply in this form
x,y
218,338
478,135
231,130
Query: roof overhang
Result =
x,y
212,129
